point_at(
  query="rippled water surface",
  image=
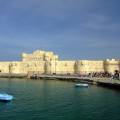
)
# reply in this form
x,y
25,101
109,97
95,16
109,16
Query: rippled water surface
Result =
x,y
57,100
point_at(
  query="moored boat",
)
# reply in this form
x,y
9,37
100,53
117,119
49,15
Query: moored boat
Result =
x,y
5,97
81,85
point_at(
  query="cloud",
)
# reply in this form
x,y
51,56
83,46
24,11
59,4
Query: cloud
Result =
x,y
100,22
72,28
50,8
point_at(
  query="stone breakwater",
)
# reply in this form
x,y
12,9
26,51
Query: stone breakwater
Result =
x,y
7,75
105,82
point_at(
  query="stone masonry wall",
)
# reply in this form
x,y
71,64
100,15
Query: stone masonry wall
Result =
x,y
45,62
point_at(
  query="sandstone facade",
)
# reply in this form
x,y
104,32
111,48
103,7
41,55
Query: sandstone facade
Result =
x,y
45,62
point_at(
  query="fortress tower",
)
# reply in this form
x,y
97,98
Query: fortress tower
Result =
x,y
111,65
39,55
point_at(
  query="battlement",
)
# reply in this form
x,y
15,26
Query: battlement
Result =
x,y
39,55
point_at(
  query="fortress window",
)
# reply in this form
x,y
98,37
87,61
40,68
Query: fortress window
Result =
x,y
0,71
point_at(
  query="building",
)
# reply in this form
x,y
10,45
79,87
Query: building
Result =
x,y
46,62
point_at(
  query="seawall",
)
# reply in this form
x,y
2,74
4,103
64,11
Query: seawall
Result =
x,y
105,82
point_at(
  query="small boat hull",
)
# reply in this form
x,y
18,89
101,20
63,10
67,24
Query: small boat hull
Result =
x,y
4,100
81,85
5,97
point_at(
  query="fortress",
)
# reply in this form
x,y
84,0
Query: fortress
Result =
x,y
46,62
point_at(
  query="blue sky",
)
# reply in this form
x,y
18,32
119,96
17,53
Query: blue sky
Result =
x,y
73,29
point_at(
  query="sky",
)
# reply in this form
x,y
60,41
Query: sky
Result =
x,y
73,29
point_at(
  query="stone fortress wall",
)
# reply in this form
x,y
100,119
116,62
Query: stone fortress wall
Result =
x,y
45,62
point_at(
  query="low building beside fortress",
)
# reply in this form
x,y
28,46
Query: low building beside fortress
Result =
x,y
45,62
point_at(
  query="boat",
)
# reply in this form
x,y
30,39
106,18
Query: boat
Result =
x,y
81,85
5,97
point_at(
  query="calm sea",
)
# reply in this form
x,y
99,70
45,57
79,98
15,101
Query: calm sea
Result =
x,y
58,100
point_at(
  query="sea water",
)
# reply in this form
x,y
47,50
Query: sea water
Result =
x,y
57,100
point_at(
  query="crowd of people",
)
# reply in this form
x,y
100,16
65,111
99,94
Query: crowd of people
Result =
x,y
116,75
100,74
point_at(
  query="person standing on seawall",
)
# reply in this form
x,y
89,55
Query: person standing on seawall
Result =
x,y
116,75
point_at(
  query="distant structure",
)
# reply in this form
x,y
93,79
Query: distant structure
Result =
x,y
39,55
46,62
